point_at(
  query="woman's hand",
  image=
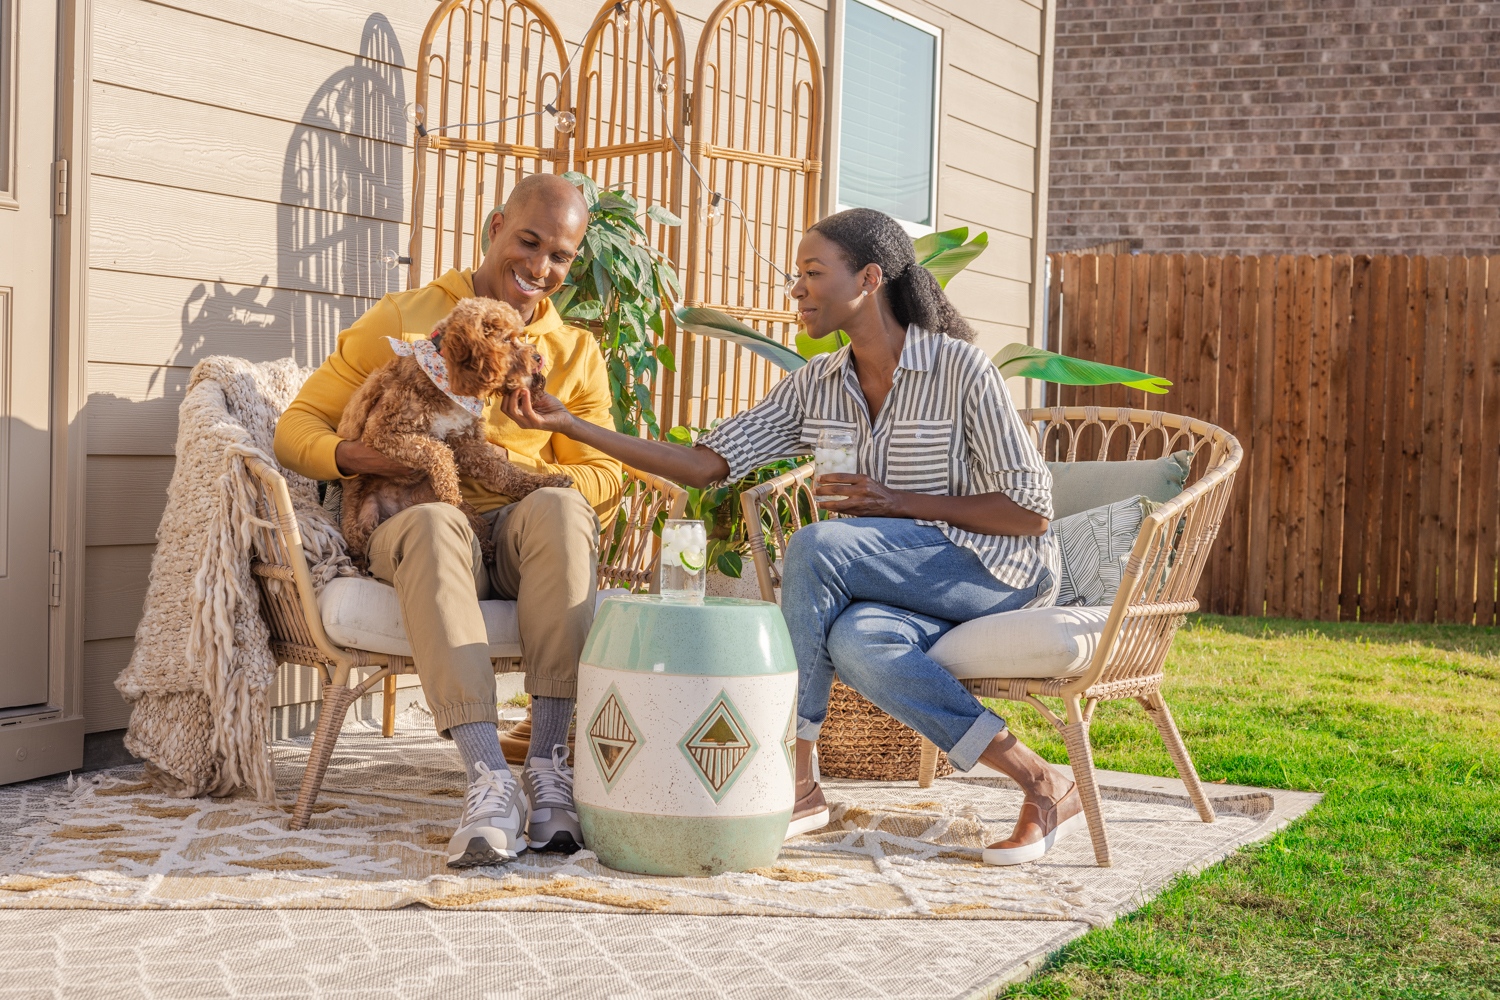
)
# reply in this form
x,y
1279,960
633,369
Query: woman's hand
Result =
x,y
866,497
538,411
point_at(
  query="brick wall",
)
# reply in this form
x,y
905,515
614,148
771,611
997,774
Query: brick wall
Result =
x,y
1304,126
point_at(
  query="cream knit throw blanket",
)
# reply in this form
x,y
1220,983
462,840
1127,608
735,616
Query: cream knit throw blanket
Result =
x,y
202,666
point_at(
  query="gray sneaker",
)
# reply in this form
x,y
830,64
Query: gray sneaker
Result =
x,y
492,829
548,783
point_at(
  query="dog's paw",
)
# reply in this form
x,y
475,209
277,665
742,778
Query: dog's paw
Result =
x,y
557,482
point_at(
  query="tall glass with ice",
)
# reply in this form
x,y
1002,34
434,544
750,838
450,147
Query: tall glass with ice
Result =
x,y
684,558
834,453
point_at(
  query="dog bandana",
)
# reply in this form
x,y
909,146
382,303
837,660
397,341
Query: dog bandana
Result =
x,y
426,353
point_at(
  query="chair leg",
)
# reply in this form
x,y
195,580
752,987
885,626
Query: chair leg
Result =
x,y
1081,757
388,707
336,702
927,766
1157,712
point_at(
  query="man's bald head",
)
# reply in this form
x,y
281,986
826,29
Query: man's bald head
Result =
x,y
549,188
534,238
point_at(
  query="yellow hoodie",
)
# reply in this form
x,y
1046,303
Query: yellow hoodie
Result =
x,y
305,438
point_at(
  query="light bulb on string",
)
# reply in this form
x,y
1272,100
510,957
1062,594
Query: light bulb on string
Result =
x,y
389,260
710,210
661,83
414,113
564,119
787,286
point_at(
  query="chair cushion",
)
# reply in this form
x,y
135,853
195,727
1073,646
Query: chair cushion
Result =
x,y
1094,546
362,613
1081,486
1033,642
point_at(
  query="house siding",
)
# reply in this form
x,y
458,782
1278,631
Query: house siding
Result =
x,y
206,236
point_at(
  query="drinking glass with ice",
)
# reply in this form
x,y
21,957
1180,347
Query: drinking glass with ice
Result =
x,y
684,558
835,453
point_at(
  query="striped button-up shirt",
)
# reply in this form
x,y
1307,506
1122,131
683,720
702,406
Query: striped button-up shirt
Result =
x,y
948,427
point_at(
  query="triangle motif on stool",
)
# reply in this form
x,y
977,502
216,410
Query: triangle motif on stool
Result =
x,y
719,746
614,738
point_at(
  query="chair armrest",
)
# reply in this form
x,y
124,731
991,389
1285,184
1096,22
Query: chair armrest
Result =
x,y
296,622
628,546
765,501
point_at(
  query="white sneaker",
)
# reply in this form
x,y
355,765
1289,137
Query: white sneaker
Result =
x,y
548,783
492,830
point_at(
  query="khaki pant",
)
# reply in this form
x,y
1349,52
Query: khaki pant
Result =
x,y
546,558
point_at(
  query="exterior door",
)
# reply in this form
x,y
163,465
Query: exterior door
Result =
x,y
28,42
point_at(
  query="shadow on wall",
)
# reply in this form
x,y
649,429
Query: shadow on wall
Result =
x,y
342,206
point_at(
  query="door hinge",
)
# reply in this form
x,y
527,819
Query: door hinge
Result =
x,y
54,598
60,187
687,109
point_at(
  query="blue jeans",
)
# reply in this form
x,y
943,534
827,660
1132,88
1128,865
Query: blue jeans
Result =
x,y
868,597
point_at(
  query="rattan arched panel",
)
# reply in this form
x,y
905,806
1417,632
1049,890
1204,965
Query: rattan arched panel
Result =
x,y
481,61
757,126
630,104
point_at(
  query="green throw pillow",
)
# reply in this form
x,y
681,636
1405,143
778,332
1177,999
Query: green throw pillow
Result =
x,y
1081,486
1094,545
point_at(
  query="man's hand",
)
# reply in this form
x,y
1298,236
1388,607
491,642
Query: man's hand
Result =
x,y
539,411
358,458
866,497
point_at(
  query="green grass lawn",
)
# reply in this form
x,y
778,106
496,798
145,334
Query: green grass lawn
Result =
x,y
1389,888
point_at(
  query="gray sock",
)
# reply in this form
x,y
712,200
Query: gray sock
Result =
x,y
479,741
550,719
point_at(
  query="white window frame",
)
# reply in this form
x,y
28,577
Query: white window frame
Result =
x,y
836,106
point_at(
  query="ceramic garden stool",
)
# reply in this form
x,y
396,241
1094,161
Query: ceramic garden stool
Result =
x,y
688,714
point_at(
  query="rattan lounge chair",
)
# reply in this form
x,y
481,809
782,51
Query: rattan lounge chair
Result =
x,y
1094,654
300,626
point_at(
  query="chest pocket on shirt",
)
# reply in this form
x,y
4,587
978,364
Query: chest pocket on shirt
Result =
x,y
917,458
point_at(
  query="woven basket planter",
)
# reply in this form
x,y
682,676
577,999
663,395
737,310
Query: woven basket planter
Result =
x,y
858,740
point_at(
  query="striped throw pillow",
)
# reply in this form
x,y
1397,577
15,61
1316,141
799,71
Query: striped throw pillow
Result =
x,y
1094,545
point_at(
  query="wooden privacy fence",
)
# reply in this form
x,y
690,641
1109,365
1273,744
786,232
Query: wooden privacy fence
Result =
x,y
1366,393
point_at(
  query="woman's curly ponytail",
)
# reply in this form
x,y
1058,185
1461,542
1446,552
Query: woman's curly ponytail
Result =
x,y
865,237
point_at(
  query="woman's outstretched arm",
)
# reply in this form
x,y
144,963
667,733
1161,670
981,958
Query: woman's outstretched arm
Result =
x,y
696,466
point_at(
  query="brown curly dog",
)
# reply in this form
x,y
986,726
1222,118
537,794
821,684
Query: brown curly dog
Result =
x,y
403,414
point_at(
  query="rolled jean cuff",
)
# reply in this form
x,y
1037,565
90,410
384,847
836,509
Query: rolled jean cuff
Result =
x,y
445,717
808,730
551,687
965,753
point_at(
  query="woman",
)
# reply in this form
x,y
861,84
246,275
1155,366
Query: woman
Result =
x,y
950,524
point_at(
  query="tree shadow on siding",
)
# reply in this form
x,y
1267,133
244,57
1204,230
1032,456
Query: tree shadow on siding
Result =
x,y
342,204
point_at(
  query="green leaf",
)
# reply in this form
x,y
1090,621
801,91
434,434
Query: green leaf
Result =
x,y
811,347
933,243
666,276
663,216
589,309
680,435
712,323
604,286
666,357
585,183
562,297
944,264
618,201
730,564
1020,361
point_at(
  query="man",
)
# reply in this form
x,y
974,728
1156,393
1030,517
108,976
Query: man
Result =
x,y
546,544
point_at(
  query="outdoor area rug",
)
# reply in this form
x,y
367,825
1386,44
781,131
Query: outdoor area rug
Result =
x,y
388,806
